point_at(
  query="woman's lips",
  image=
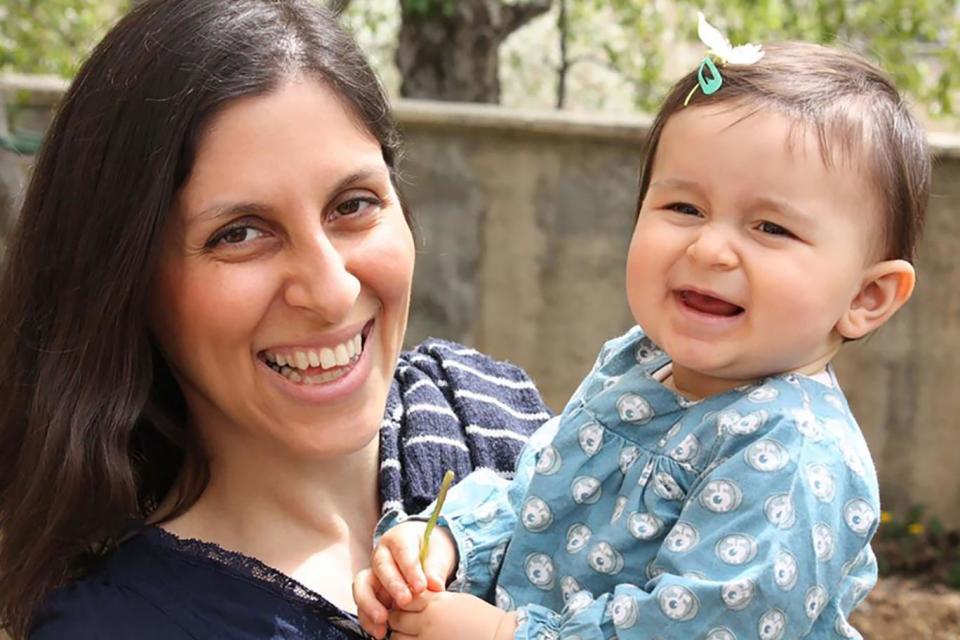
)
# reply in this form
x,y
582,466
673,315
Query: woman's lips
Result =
x,y
308,366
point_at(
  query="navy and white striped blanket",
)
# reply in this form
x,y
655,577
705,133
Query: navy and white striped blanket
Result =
x,y
452,407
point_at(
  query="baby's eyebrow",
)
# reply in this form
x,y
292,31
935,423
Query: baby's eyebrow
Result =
x,y
673,182
781,206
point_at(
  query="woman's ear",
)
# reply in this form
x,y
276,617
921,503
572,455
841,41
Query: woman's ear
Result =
x,y
886,287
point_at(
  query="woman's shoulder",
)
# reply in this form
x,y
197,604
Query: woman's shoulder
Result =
x,y
116,600
94,609
158,586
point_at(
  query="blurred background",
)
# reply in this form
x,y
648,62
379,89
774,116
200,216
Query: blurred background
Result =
x,y
524,123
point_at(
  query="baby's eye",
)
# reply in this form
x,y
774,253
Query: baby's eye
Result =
x,y
774,229
684,208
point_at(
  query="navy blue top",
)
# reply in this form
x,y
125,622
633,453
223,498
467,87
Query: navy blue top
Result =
x,y
157,586
449,407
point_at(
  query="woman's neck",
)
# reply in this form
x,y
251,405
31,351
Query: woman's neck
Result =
x,y
310,519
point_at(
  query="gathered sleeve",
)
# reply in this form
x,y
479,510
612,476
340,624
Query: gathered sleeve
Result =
x,y
481,513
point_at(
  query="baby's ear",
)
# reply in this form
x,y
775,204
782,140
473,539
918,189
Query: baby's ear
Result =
x,y
886,287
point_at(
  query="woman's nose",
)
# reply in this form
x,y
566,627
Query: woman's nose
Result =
x,y
320,280
712,248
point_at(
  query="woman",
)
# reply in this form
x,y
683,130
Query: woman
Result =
x,y
200,318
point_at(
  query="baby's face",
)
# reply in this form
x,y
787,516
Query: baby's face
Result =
x,y
748,248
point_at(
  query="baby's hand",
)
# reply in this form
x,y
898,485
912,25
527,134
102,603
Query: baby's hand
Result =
x,y
373,601
440,616
396,561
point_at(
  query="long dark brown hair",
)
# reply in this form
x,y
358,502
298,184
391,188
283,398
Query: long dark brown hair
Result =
x,y
852,107
92,425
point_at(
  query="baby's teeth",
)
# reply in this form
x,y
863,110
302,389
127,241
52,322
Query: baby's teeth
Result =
x,y
327,358
302,361
314,358
342,357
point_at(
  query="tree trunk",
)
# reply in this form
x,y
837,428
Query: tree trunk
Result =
x,y
449,51
11,182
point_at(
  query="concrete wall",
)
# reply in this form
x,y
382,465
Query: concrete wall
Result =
x,y
524,220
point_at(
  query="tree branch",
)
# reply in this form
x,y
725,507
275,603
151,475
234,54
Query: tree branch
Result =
x,y
517,15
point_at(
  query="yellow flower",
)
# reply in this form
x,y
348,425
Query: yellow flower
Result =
x,y
916,529
886,516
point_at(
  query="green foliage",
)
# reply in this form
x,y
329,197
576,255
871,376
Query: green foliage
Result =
x,y
916,41
627,36
52,36
919,546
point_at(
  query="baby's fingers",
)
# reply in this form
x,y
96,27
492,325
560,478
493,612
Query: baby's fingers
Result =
x,y
372,603
390,576
405,548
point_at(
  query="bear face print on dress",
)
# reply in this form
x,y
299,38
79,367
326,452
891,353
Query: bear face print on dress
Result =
x,y
737,595
549,461
578,535
721,496
603,558
585,489
859,516
624,611
540,571
590,437
772,625
779,510
633,408
536,515
678,603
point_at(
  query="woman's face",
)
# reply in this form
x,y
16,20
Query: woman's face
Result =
x,y
281,295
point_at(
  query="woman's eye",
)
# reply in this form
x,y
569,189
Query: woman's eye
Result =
x,y
774,229
236,235
355,206
684,208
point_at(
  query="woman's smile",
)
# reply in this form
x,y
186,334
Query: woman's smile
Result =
x,y
324,369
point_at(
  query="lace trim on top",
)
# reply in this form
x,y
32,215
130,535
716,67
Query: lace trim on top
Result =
x,y
250,568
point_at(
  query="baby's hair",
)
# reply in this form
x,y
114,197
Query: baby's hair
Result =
x,y
851,104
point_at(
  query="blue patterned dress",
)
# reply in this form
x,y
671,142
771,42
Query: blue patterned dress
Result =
x,y
639,514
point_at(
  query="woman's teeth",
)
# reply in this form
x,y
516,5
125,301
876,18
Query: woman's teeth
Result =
x,y
293,364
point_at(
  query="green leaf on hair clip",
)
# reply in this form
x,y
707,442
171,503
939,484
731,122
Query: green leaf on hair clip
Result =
x,y
709,85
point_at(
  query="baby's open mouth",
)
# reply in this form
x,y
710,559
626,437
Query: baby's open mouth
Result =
x,y
317,365
708,304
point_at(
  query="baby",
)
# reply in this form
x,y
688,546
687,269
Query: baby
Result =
x,y
707,479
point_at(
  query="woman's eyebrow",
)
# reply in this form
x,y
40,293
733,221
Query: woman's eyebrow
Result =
x,y
359,176
230,209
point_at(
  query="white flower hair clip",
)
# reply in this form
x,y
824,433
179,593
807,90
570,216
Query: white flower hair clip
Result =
x,y
708,75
